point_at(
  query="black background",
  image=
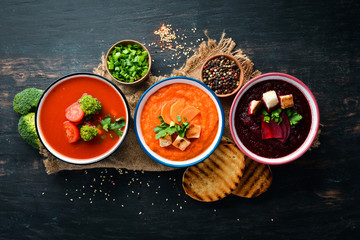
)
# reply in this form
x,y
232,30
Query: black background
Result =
x,y
315,197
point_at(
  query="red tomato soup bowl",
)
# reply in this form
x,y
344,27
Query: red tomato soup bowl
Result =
x,y
65,92
250,130
185,101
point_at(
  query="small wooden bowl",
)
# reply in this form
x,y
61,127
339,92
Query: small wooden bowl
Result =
x,y
241,75
124,42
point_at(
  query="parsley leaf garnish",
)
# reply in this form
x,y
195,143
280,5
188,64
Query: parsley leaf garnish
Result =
x,y
293,116
116,126
275,113
106,123
165,128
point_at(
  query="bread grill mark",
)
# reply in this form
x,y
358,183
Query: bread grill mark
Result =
x,y
210,168
193,192
191,171
250,168
224,172
257,179
219,157
196,173
262,178
252,178
217,176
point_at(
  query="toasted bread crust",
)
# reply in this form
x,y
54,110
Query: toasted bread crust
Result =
x,y
226,140
256,180
217,176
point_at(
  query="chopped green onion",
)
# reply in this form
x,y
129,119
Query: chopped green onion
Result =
x,y
128,63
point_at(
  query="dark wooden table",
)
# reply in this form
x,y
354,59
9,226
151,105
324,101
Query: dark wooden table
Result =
x,y
315,197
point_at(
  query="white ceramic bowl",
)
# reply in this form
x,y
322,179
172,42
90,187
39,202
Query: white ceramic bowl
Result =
x,y
69,159
152,90
315,118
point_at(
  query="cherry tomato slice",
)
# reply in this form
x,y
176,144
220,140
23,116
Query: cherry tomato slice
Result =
x,y
74,113
72,132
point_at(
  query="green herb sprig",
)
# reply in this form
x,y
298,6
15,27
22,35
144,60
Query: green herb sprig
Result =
x,y
165,128
293,116
274,115
115,126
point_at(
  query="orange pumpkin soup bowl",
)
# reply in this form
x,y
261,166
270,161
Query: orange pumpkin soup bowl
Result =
x,y
63,127
179,121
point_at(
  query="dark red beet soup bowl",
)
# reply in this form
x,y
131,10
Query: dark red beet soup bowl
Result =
x,y
274,118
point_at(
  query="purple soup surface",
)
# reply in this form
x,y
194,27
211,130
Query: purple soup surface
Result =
x,y
248,127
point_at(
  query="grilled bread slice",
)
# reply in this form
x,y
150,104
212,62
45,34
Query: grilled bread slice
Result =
x,y
256,179
226,140
217,176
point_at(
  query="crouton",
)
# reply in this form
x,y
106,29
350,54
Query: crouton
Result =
x,y
181,143
286,101
165,141
193,131
270,100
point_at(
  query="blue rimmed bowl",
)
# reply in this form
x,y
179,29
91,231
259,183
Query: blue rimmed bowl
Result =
x,y
139,134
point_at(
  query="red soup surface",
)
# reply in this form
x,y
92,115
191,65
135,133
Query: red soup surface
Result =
x,y
64,94
192,96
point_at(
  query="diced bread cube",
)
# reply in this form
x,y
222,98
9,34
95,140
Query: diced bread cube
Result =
x,y
181,143
193,131
286,101
165,141
270,100
254,107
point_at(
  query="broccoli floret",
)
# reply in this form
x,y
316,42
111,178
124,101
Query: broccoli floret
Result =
x,y
27,100
27,130
87,132
90,105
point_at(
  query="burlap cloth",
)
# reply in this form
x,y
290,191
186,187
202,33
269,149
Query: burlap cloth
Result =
x,y
130,155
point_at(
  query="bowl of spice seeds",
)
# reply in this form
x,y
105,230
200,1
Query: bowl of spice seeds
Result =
x,y
223,74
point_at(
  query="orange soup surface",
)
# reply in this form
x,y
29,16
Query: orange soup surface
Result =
x,y
52,116
193,96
